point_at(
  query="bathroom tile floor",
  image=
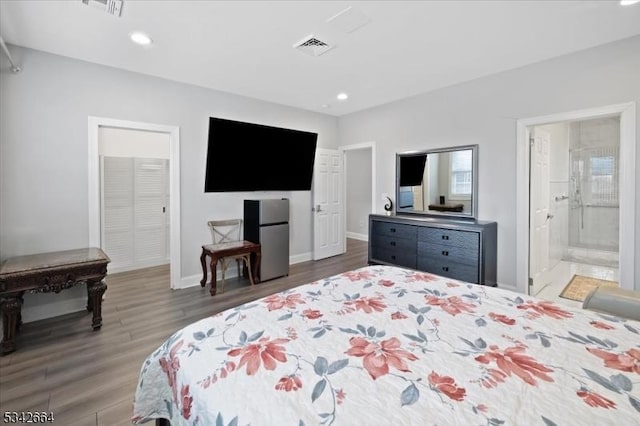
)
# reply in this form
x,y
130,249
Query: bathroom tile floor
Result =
x,y
562,273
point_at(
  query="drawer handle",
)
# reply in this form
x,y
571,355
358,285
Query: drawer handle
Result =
x,y
393,256
445,253
392,229
393,243
445,237
445,268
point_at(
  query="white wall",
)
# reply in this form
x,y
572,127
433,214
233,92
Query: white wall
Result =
x,y
43,152
485,111
358,165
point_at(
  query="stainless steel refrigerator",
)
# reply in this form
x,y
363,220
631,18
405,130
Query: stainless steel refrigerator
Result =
x,y
267,222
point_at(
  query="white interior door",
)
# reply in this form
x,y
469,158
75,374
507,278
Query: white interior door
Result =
x,y
134,212
328,208
539,216
117,211
150,211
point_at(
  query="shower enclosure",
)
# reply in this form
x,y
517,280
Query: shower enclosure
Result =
x,y
594,208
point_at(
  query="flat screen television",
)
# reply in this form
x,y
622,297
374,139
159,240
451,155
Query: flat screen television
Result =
x,y
412,169
253,157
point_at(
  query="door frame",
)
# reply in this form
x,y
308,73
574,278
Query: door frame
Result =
x,y
353,147
94,124
627,176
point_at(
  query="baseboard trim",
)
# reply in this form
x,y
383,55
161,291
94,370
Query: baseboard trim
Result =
x,y
190,281
143,265
356,236
299,258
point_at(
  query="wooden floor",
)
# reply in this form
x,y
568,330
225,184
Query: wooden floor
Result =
x,y
89,378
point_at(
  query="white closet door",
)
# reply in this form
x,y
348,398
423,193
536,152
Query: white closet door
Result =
x,y
135,215
149,211
117,212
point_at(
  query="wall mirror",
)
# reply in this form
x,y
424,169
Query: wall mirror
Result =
x,y
438,182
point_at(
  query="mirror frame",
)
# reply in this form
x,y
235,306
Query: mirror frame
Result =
x,y
473,215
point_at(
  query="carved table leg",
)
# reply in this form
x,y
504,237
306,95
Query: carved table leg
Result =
x,y
89,300
10,307
214,275
203,262
19,324
95,291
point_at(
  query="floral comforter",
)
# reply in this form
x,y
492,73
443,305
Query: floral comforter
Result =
x,y
385,345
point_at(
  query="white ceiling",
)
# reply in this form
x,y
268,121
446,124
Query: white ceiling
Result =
x,y
246,47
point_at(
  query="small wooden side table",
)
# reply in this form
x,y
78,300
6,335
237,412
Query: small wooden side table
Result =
x,y
45,273
218,251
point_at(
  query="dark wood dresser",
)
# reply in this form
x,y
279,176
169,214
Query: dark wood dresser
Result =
x,y
459,249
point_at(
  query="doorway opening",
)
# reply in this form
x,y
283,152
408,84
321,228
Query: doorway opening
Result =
x,y
576,198
134,175
360,189
575,205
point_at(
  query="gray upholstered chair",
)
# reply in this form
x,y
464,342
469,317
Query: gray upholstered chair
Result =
x,y
225,231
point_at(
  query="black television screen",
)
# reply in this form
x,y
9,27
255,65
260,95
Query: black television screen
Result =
x,y
252,157
412,170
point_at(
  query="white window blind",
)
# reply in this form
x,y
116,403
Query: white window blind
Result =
x,y
461,173
604,175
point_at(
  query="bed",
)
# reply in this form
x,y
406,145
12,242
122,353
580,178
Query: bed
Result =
x,y
386,345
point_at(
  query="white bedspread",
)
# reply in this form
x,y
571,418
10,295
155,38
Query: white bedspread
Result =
x,y
385,345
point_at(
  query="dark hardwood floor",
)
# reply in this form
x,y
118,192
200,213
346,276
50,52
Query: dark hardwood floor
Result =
x,y
89,378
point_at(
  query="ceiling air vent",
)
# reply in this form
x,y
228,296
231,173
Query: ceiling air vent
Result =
x,y
312,46
112,7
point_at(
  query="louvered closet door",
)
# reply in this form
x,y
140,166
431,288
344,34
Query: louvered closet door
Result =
x,y
149,211
117,213
135,216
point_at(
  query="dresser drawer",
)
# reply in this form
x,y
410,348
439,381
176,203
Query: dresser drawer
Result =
x,y
393,243
466,255
389,229
449,237
396,257
449,269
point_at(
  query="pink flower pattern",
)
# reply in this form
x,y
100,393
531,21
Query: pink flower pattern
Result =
x,y
368,304
265,351
628,361
278,301
513,360
453,305
378,357
428,344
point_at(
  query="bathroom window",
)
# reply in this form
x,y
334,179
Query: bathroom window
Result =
x,y
604,177
461,174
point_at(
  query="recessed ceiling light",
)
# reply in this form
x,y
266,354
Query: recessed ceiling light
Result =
x,y
628,2
140,38
342,96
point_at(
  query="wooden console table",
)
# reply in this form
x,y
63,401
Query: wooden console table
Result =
x,y
218,251
45,273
